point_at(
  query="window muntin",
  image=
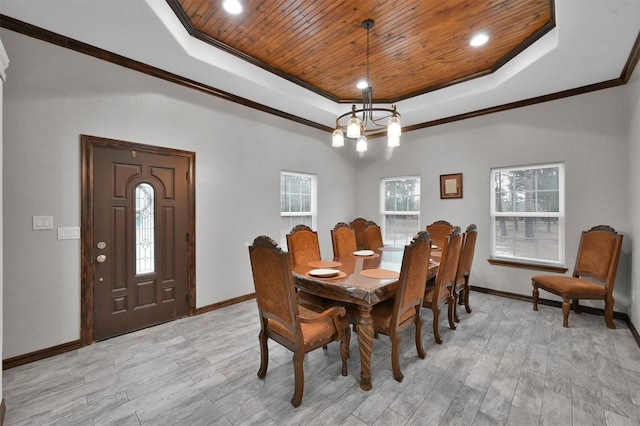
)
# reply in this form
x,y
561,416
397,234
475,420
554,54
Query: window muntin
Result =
x,y
400,209
297,202
145,207
527,214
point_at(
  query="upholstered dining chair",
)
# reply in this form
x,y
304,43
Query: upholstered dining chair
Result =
x,y
372,236
440,291
461,290
343,238
281,318
597,260
394,315
358,227
439,231
303,245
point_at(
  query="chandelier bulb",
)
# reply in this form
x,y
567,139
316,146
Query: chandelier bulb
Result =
x,y
338,138
361,144
353,127
393,127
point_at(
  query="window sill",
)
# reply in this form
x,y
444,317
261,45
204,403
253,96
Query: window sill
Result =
x,y
537,267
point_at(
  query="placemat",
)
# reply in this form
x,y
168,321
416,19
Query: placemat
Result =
x,y
380,273
324,264
335,277
371,256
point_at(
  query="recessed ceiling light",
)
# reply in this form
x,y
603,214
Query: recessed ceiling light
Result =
x,y
362,84
479,40
232,6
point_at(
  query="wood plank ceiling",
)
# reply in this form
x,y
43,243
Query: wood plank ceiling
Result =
x,y
415,46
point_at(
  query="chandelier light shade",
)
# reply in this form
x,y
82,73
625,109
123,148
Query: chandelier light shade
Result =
x,y
367,120
361,144
338,138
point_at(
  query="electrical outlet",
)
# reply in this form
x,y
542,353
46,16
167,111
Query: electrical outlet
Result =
x,y
42,222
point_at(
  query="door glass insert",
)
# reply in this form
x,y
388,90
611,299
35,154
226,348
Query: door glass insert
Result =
x,y
144,229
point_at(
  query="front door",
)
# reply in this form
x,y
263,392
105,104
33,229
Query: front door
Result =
x,y
141,218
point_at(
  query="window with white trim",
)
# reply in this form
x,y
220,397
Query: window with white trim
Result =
x,y
527,214
297,202
400,209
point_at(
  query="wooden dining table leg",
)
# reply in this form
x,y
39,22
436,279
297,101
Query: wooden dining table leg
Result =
x,y
365,342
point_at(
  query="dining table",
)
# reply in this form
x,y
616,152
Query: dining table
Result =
x,y
363,279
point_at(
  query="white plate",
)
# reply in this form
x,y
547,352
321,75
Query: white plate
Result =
x,y
364,253
324,272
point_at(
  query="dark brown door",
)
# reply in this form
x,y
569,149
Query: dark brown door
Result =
x,y
140,243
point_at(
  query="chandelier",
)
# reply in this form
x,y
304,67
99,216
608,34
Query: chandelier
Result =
x,y
367,120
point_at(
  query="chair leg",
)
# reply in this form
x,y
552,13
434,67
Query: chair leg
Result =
x,y
395,357
421,353
456,301
264,355
436,319
298,358
576,306
450,308
566,307
535,296
467,290
608,313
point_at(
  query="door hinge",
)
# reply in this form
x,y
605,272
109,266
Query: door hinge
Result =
x,y
187,175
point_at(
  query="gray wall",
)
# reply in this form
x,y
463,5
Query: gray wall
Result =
x,y
4,62
589,133
633,108
53,95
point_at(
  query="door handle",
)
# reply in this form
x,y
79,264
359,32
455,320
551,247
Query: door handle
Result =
x,y
101,258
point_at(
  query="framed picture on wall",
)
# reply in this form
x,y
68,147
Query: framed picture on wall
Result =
x,y
451,185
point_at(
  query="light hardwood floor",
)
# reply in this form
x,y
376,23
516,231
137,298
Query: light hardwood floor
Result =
x,y
505,364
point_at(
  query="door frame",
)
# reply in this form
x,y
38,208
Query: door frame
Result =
x,y
87,144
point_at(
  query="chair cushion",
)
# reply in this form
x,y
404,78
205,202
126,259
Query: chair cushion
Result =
x,y
570,286
382,312
311,332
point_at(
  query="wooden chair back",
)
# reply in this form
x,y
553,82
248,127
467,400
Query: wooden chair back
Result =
x,y
442,291
464,269
466,254
275,290
413,278
303,245
343,238
358,225
598,255
439,231
372,236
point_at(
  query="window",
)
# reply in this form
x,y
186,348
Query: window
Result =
x,y
527,214
297,202
400,209
144,229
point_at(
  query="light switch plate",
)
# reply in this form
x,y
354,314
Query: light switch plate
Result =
x,y
42,222
69,233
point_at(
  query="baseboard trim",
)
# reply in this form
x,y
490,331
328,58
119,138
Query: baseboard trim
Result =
x,y
41,354
70,346
225,303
